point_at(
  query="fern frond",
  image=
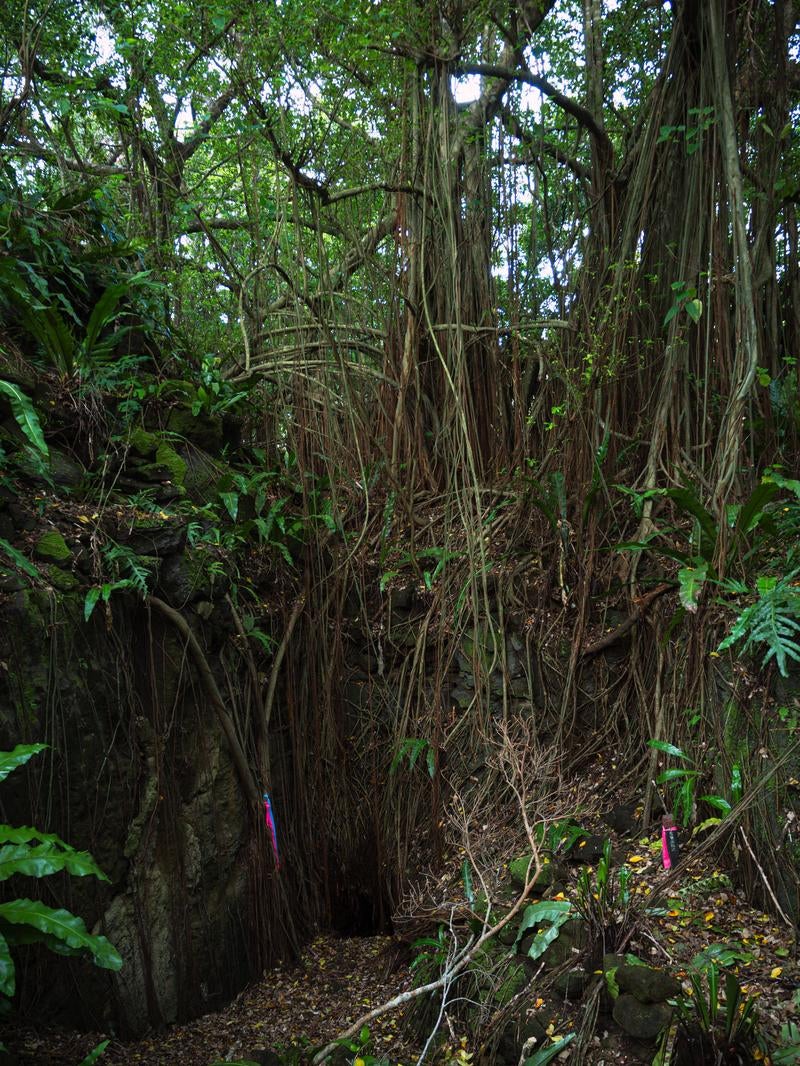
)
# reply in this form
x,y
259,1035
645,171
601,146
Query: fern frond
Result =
x,y
772,621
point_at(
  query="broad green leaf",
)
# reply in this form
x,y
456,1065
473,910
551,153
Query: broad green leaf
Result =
x,y
386,578
23,834
7,972
554,911
430,758
10,760
18,559
466,878
46,859
95,1053
546,1054
675,773
688,500
90,602
690,585
694,309
103,312
668,749
753,509
26,416
718,803
64,926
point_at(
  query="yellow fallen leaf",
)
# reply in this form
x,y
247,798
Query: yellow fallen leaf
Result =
x,y
777,971
84,518
539,1003
559,895
635,858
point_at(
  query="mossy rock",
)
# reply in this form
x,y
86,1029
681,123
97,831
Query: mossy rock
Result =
x,y
61,580
168,457
647,984
550,872
53,548
204,430
508,934
513,982
572,983
642,1021
144,443
155,473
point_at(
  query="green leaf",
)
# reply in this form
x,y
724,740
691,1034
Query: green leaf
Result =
x,y
231,501
95,1053
26,416
10,760
688,500
668,749
430,758
386,578
675,773
718,803
546,1054
7,971
90,602
466,878
554,911
690,585
46,859
694,309
102,314
18,559
64,926
753,510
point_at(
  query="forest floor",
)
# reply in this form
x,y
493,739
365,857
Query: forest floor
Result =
x,y
338,979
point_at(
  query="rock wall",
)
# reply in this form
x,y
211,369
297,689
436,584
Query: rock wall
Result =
x,y
139,774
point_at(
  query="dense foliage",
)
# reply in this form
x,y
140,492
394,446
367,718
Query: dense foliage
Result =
x,y
493,305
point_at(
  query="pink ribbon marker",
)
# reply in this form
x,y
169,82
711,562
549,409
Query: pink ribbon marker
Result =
x,y
269,819
670,849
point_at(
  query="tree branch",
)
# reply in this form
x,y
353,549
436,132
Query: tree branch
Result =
x,y
542,147
204,670
576,110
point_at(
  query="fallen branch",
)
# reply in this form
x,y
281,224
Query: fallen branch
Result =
x,y
459,965
212,691
642,604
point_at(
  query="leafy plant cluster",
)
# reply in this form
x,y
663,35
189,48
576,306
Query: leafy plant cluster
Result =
x,y
709,556
68,309
32,853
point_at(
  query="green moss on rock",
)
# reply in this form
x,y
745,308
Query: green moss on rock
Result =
x,y
52,546
203,430
144,443
62,580
168,457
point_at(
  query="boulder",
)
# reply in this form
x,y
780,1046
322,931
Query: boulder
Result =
x,y
572,983
587,849
642,1021
204,430
550,872
53,548
647,984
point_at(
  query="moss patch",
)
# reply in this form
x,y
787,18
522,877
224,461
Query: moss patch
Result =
x,y
144,443
168,457
62,580
52,546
